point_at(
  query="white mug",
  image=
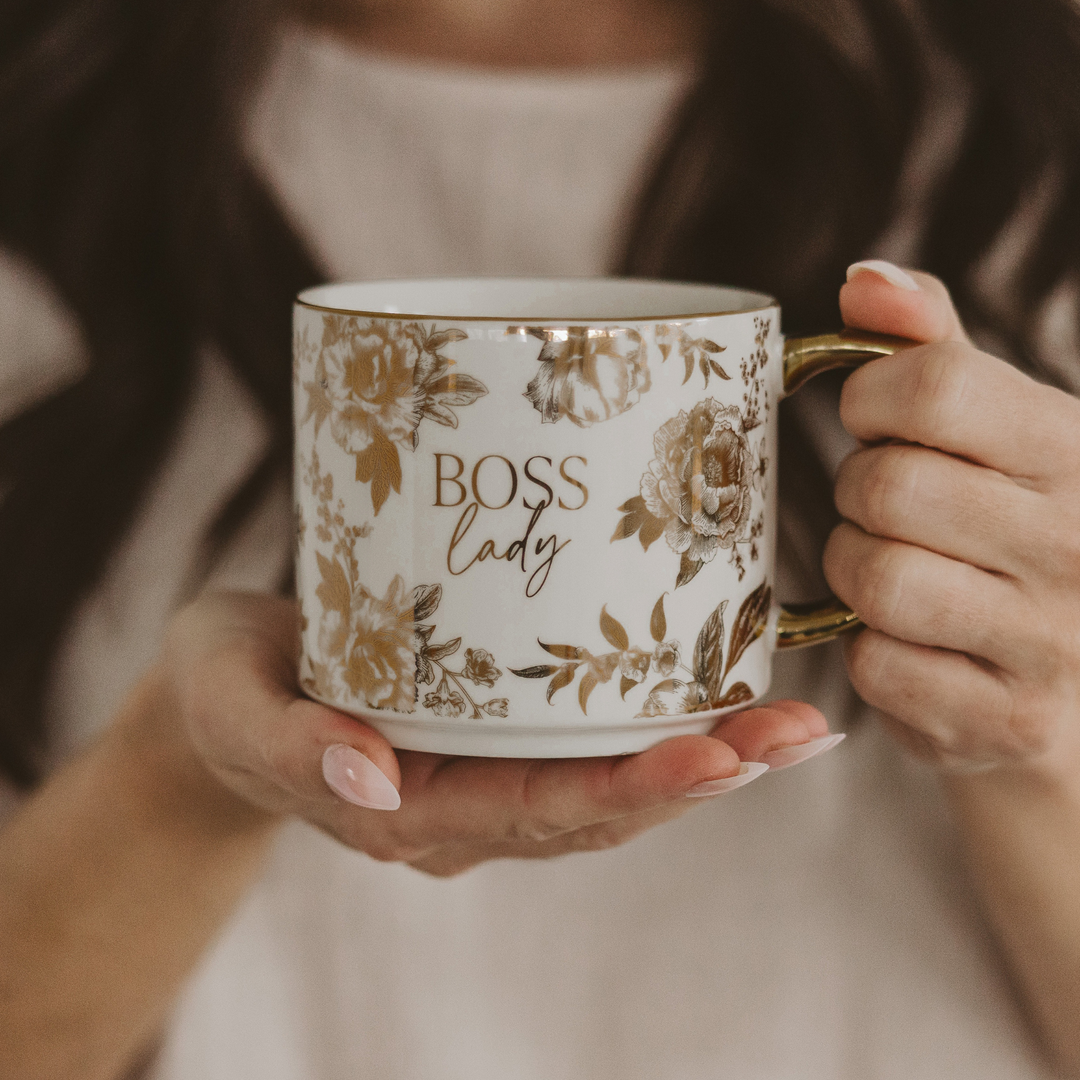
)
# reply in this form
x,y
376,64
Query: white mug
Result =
x,y
537,518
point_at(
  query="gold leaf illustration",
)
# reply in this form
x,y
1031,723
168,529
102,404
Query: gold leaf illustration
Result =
x,y
437,340
585,688
658,622
719,370
319,404
613,630
688,568
651,529
380,465
628,525
563,652
624,685
437,652
538,671
425,599
457,389
563,677
736,695
749,623
440,413
333,591
667,686
709,653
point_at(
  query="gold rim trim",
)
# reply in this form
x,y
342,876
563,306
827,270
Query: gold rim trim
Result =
x,y
541,319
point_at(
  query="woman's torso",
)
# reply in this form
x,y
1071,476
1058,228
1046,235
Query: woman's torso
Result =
x,y
816,924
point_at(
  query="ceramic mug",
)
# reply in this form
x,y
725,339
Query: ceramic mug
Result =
x,y
537,518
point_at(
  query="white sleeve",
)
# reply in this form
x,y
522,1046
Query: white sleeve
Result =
x,y
41,348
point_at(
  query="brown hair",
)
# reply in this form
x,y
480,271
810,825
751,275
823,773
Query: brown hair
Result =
x,y
122,178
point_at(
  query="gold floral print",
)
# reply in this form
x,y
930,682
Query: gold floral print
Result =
x,y
697,490
587,374
669,697
696,353
373,381
451,698
364,640
756,398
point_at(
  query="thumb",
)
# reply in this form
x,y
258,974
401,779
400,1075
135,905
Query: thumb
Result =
x,y
883,298
320,748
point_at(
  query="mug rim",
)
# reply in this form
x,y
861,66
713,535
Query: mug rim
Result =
x,y
754,301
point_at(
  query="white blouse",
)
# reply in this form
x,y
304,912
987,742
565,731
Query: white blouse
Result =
x,y
816,924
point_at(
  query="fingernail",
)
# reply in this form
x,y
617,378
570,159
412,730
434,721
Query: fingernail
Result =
x,y
357,780
792,755
748,770
890,272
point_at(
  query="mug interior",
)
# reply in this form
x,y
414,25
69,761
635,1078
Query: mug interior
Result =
x,y
535,299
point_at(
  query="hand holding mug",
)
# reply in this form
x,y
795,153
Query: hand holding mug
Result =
x,y
961,549
225,696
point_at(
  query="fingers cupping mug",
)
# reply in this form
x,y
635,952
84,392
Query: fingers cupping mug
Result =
x,y
538,518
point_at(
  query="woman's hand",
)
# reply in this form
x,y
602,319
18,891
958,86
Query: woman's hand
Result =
x,y
961,548
228,676
961,551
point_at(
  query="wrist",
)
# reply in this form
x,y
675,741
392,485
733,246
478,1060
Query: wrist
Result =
x,y
1039,787
149,746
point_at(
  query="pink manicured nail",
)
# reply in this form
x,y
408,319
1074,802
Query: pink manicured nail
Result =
x,y
891,273
357,780
792,755
748,770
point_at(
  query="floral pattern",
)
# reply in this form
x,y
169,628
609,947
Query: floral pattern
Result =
x,y
697,490
451,698
373,381
587,374
696,353
704,689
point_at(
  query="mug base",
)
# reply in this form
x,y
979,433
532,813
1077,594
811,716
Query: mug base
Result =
x,y
505,741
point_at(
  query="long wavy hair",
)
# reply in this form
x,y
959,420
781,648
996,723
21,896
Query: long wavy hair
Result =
x,y
122,179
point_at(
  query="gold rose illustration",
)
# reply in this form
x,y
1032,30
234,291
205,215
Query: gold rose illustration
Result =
x,y
374,380
697,490
670,696
695,352
587,374
451,697
365,641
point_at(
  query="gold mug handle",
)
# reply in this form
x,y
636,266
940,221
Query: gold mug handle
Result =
x,y
808,624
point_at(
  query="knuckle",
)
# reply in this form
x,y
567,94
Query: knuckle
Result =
x,y
879,585
890,486
535,824
1028,730
289,771
602,837
1059,545
868,664
941,384
533,830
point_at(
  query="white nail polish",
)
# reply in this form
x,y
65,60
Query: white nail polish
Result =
x,y
889,271
793,755
748,770
357,779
